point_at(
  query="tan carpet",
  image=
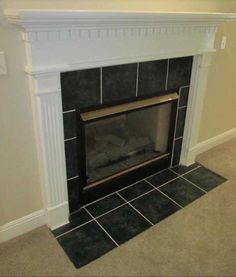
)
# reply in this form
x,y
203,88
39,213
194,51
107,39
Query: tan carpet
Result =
x,y
199,240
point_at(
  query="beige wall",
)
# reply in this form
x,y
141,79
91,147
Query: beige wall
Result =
x,y
20,192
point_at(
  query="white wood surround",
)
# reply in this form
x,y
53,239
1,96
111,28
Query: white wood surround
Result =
x,y
63,40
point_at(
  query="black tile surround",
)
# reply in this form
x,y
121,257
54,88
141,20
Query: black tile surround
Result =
x,y
105,224
110,85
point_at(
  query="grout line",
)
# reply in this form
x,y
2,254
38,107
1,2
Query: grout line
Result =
x,y
182,107
137,197
137,77
113,193
111,210
77,227
157,188
166,182
194,184
178,138
185,87
135,209
65,140
69,111
101,85
180,175
155,174
169,198
71,178
102,227
167,74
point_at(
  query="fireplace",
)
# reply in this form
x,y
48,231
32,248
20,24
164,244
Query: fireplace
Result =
x,y
59,42
122,123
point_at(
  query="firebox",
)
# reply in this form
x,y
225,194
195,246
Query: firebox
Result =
x,y
120,144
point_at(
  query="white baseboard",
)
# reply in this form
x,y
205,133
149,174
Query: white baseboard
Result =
x,y
212,142
22,225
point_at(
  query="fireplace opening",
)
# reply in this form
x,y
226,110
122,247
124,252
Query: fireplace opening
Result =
x,y
122,142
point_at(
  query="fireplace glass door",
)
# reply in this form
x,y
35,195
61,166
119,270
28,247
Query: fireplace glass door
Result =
x,y
123,141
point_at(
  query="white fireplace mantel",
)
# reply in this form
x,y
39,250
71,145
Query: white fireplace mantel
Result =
x,y
63,40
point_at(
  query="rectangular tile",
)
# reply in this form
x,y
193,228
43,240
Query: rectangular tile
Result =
x,y
182,191
179,72
86,244
135,190
183,100
123,223
152,77
177,151
69,122
118,82
73,194
71,158
80,89
155,206
205,178
180,122
105,204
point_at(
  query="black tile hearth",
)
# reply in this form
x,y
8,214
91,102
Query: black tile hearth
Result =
x,y
180,122
69,121
80,89
179,72
135,190
204,178
86,244
119,82
155,206
182,191
84,240
71,158
152,77
105,204
123,223
76,220
73,194
162,177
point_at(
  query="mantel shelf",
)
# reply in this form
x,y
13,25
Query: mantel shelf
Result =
x,y
41,19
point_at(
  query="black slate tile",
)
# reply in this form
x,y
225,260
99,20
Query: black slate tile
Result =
x,y
105,204
86,244
71,158
205,178
155,206
183,100
182,191
76,220
177,151
69,121
180,122
123,223
162,177
152,77
179,72
119,82
80,88
135,190
182,169
73,194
